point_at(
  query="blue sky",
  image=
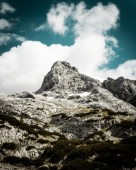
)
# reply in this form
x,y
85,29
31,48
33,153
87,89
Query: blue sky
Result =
x,y
98,37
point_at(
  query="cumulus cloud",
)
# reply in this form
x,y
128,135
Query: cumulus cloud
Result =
x,y
24,66
98,19
5,24
126,69
5,38
58,16
6,8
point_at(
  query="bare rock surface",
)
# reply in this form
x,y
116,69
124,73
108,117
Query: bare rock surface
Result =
x,y
122,88
72,122
64,77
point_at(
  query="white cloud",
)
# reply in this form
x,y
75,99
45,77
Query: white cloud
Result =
x,y
5,38
58,16
5,24
24,66
126,69
90,27
6,8
98,19
41,27
17,37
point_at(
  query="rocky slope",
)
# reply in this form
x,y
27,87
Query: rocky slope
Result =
x,y
71,123
122,88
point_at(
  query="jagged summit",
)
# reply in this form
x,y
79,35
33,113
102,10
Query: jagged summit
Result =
x,y
63,65
64,77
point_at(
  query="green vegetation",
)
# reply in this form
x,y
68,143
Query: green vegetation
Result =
x,y
128,124
87,113
17,160
31,129
42,141
4,126
60,149
112,113
62,115
10,146
43,168
30,147
77,164
83,155
76,155
98,134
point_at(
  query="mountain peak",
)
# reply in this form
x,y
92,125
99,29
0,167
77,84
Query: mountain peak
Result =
x,y
64,77
63,65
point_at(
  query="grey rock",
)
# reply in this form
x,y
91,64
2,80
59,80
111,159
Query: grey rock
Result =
x,y
122,88
64,77
65,81
24,95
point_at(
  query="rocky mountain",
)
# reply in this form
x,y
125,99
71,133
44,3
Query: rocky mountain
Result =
x,y
64,78
72,122
122,88
64,81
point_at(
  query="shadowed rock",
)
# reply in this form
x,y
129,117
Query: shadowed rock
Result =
x,y
122,88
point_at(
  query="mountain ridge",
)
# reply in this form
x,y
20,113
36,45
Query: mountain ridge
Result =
x,y
71,123
63,80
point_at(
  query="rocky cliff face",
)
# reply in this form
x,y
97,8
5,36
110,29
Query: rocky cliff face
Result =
x,y
71,123
122,88
64,81
64,77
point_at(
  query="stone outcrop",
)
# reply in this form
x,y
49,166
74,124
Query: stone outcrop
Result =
x,y
122,88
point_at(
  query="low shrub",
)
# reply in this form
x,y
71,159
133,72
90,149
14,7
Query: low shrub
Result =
x,y
77,164
17,160
42,141
30,147
10,146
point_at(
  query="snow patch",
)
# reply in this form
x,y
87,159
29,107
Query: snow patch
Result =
x,y
84,94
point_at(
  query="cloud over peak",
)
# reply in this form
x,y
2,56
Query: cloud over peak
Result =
x,y
23,67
